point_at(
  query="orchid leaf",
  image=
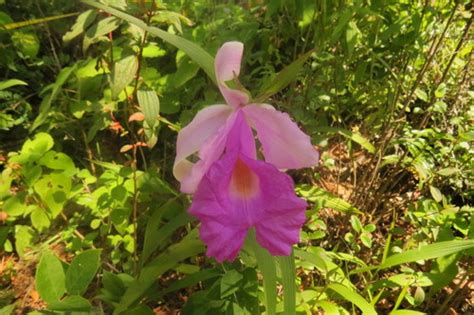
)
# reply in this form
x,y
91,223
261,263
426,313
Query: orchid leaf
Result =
x,y
194,51
267,265
283,78
288,270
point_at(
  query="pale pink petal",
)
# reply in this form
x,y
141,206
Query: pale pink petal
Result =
x,y
210,151
227,66
284,144
190,139
238,193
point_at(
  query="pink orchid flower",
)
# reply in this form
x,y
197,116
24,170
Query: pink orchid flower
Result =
x,y
284,144
239,192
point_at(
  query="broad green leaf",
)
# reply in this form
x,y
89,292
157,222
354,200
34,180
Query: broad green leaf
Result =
x,y
188,247
71,304
54,190
356,224
353,297
39,219
27,44
24,236
82,271
194,51
123,74
283,78
353,136
58,161
436,193
231,281
50,278
9,83
101,28
82,22
440,90
187,69
288,273
45,106
421,95
15,25
150,105
267,265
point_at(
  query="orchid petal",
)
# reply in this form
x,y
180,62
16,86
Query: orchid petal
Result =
x,y
192,137
227,66
238,193
284,144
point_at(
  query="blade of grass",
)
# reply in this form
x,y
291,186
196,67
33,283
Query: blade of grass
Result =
x,y
15,25
353,297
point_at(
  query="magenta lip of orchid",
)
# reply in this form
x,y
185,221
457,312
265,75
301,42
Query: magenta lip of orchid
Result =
x,y
233,191
284,144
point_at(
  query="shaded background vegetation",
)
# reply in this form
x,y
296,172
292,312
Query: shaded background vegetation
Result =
x,y
386,96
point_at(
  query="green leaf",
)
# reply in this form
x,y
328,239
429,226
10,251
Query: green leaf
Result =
x,y
366,239
39,219
430,251
50,278
356,224
283,78
7,310
190,280
72,303
82,271
98,30
194,51
54,190
267,265
353,297
288,273
353,136
58,161
426,252
45,106
188,247
421,95
82,22
230,283
156,236
324,199
150,105
27,44
9,83
15,25
436,193
406,312
440,90
24,236
123,74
